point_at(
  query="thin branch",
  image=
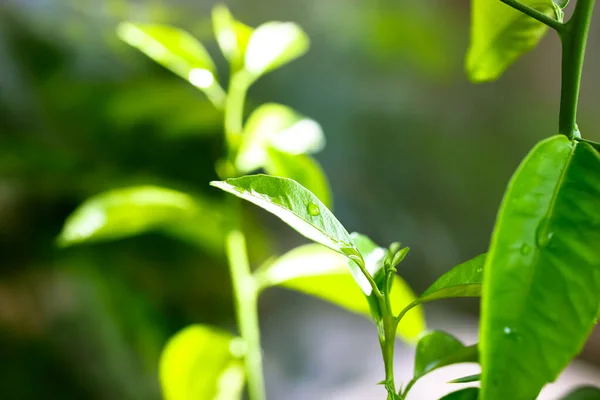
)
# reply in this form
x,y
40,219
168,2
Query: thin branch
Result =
x,y
535,14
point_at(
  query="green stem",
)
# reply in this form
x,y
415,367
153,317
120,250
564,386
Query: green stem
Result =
x,y
574,40
535,14
246,307
234,110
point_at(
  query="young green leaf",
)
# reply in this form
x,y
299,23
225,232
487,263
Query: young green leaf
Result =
x,y
471,393
583,393
303,169
176,50
464,280
500,35
320,272
273,44
561,3
280,127
232,35
201,362
131,211
297,207
542,272
467,379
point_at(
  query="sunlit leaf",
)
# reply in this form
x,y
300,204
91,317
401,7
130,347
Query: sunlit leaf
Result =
x,y
232,35
471,393
131,211
201,362
583,393
320,272
280,127
464,280
542,272
467,379
273,44
176,50
297,207
303,169
500,35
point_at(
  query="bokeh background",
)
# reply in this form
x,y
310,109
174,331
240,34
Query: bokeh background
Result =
x,y
415,153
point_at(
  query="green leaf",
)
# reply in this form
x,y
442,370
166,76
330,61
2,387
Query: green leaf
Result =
x,y
471,393
583,393
561,3
131,211
297,207
176,50
464,280
320,272
303,169
273,44
542,272
467,379
280,127
232,35
201,362
438,349
500,35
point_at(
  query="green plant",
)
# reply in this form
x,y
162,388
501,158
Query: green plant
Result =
x,y
540,276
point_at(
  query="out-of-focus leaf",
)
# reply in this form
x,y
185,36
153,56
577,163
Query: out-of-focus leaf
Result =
x,y
232,35
542,272
273,44
583,393
467,379
176,50
297,207
320,272
131,211
303,169
280,127
500,35
561,3
471,393
438,349
464,280
201,362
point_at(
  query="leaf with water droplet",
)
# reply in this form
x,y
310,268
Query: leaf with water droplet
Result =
x,y
313,209
541,278
288,200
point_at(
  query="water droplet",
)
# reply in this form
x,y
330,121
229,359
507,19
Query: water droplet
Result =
x,y
507,330
479,270
525,249
512,334
543,234
313,209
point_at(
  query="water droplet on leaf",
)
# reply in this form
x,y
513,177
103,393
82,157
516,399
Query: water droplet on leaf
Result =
x,y
479,270
313,209
525,249
543,234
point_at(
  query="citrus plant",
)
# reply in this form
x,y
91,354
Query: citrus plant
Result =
x,y
538,282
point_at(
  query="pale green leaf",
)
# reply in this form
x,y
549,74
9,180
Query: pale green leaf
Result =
x,y
303,169
280,127
232,35
201,362
542,272
131,211
297,207
273,44
500,35
320,272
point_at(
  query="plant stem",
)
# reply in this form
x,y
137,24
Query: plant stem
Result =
x,y
246,306
535,14
234,110
574,39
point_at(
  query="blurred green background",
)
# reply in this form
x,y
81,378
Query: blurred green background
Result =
x,y
415,153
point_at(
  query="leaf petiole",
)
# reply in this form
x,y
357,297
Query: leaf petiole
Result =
x,y
535,14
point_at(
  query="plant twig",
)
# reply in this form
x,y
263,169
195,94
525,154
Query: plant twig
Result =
x,y
535,14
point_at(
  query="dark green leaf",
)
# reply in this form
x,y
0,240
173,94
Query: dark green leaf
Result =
x,y
176,50
279,127
583,393
500,35
438,349
273,44
320,272
542,273
297,207
303,169
467,379
201,362
131,211
232,35
464,280
471,393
